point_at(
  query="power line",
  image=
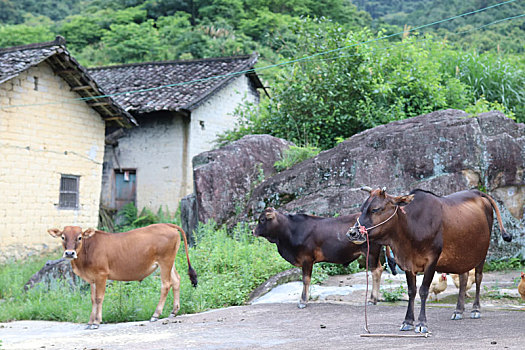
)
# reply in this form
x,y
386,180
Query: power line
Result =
x,y
309,57
429,39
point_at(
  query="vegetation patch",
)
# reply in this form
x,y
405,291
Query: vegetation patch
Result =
x,y
514,263
295,155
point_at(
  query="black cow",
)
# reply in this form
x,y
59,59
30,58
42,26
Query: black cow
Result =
x,y
304,240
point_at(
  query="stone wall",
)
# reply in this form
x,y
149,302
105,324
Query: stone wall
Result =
x,y
37,145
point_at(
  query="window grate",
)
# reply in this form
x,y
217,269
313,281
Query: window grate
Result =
x,y
68,192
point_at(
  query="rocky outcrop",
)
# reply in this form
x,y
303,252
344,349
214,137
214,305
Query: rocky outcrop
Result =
x,y
443,152
224,178
53,270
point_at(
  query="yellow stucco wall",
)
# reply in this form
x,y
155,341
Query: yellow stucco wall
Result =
x,y
37,145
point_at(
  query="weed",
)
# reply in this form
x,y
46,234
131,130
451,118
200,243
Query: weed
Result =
x,y
392,294
494,292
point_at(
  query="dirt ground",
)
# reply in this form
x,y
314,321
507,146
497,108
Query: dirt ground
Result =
x,y
334,321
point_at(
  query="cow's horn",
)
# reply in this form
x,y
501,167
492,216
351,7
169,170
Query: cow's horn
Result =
x,y
366,188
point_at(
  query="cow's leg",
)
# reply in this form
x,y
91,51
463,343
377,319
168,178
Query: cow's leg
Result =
x,y
307,277
475,313
377,270
93,314
408,323
165,278
98,289
421,326
175,284
460,306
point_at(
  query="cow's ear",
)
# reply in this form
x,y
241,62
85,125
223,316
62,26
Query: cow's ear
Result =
x,y
403,200
270,215
89,232
55,232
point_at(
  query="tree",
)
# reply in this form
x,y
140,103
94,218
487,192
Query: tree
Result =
x,y
132,42
81,31
21,34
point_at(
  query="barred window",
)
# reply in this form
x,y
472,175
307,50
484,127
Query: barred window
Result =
x,y
68,192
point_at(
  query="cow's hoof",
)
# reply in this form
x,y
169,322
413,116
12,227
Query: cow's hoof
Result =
x,y
421,328
301,305
457,316
475,314
372,302
92,326
153,319
406,327
172,315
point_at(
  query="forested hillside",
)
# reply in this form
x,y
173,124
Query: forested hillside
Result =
x,y
101,32
510,36
333,68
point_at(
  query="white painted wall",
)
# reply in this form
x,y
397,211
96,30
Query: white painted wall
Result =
x,y
156,148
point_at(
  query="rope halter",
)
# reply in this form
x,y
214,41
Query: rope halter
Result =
x,y
364,231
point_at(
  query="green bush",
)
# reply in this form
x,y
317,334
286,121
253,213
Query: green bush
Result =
x,y
514,263
364,82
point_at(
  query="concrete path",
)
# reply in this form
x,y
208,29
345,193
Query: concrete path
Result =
x,y
330,322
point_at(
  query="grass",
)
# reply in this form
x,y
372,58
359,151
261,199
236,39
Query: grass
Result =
x,y
295,155
515,263
230,264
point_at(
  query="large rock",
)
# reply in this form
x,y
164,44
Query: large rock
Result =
x,y
53,270
443,152
224,178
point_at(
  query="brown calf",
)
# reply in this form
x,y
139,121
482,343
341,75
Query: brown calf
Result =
x,y
97,256
428,233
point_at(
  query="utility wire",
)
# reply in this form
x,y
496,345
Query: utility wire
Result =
x,y
426,39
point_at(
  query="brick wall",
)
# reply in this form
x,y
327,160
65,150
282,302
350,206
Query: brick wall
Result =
x,y
37,145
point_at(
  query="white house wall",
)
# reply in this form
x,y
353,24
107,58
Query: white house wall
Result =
x,y
155,150
215,116
161,148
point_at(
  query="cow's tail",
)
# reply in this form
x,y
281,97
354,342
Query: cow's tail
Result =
x,y
390,260
507,237
191,271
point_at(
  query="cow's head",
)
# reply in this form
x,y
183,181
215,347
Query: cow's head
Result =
x,y
268,225
72,237
378,214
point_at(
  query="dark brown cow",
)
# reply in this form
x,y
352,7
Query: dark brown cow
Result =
x,y
97,256
304,240
428,233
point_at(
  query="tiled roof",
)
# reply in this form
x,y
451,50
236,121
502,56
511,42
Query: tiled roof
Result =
x,y
184,97
17,59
